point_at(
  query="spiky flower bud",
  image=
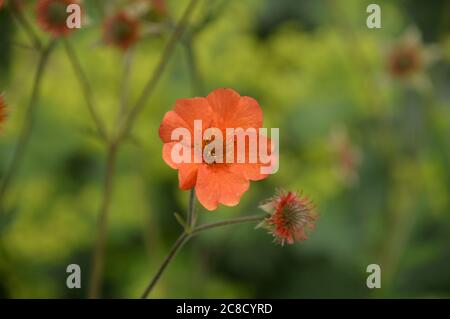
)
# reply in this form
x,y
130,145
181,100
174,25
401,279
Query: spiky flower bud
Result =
x,y
290,215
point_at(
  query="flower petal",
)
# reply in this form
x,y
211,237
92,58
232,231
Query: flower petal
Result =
x,y
233,111
217,184
185,112
252,171
247,114
167,154
187,175
223,103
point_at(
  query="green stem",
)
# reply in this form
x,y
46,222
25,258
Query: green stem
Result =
x,y
97,263
23,22
114,145
154,79
196,82
185,236
86,88
191,217
173,251
124,79
25,132
99,8
228,222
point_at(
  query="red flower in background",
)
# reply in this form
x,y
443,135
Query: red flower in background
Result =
x,y
152,10
121,30
159,5
347,155
405,59
52,16
409,58
214,183
15,4
2,110
291,214
158,8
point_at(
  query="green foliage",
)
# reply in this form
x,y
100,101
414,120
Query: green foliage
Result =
x,y
316,71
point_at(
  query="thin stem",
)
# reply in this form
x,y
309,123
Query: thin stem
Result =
x,y
176,246
196,82
185,236
191,217
126,69
23,22
99,8
87,91
23,45
114,145
102,223
233,221
154,79
25,132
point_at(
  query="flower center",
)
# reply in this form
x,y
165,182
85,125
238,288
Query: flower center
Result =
x,y
210,151
57,14
404,62
121,30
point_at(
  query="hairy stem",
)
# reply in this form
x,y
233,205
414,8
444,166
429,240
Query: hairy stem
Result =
x,y
191,217
233,221
185,236
25,132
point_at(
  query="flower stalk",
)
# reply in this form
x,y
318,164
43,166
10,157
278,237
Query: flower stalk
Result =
x,y
24,23
98,256
149,88
187,234
113,145
86,88
24,135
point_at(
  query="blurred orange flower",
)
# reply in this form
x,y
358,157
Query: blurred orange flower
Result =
x,y
121,30
291,214
216,182
52,16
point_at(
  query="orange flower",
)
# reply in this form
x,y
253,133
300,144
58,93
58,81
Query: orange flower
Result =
x,y
2,110
290,216
121,30
1,4
214,181
52,16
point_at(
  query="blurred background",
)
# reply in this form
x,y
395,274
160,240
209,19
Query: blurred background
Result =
x,y
369,143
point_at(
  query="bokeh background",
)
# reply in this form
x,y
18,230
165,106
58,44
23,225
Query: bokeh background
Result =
x,y
371,149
